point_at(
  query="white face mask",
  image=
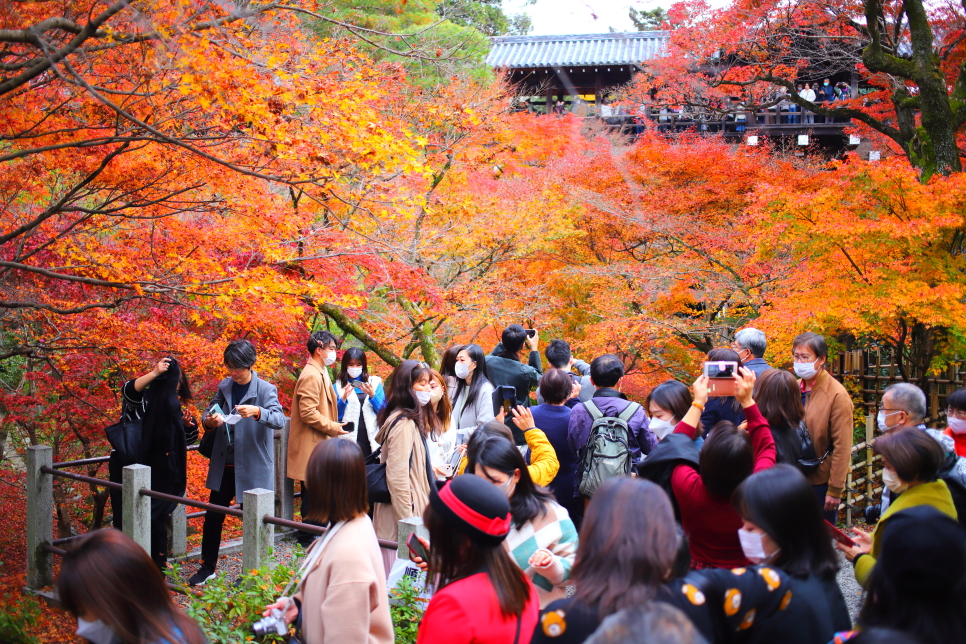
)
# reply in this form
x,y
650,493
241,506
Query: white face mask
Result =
x,y
880,420
805,370
422,397
462,370
435,395
329,358
751,545
661,428
957,425
354,372
97,632
893,482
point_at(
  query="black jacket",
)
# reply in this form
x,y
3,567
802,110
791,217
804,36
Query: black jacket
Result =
x,y
671,451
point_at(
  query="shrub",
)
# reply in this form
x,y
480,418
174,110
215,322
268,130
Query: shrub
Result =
x,y
16,616
407,610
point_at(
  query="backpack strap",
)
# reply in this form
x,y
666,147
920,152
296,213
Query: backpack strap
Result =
x,y
629,412
593,410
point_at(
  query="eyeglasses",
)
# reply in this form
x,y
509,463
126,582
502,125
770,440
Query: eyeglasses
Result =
x,y
956,413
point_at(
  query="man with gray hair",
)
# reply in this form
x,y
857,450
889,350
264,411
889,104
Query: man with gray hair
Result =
x,y
751,344
904,405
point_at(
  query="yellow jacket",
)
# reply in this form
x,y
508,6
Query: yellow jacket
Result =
x,y
935,494
543,458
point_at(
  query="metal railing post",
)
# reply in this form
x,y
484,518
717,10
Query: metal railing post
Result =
x,y
284,486
257,536
136,507
406,528
178,534
40,512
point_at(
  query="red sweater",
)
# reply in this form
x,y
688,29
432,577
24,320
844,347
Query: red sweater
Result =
x,y
468,612
709,521
959,440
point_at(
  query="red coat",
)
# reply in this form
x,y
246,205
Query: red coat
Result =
x,y
468,612
709,521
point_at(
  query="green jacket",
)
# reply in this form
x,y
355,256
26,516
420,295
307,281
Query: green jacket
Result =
x,y
935,494
506,371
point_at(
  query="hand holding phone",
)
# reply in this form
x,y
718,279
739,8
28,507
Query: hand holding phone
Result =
x,y
417,549
721,377
839,536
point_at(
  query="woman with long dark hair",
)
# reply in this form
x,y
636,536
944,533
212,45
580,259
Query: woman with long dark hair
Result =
x,y
118,595
481,595
447,369
405,424
629,544
784,527
342,597
160,399
472,401
542,540
360,398
780,400
720,408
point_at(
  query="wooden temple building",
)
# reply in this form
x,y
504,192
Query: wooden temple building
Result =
x,y
583,69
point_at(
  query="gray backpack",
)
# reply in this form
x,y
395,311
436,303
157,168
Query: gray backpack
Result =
x,y
607,453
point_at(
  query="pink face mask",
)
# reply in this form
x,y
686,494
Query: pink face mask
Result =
x,y
957,425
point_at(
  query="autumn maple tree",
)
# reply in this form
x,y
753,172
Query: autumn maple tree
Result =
x,y
909,53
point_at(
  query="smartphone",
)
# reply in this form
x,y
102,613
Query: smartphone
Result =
x,y
504,398
721,377
416,547
448,470
838,535
531,332
355,383
349,427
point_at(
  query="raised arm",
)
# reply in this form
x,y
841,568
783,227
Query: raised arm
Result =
x,y
762,442
689,424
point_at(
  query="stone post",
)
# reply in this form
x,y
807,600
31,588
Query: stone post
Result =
x,y
40,512
136,507
257,536
178,533
284,486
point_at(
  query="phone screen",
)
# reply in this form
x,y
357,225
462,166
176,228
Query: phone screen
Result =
x,y
416,547
721,369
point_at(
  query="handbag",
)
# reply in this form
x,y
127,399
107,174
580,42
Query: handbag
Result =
x,y
125,437
207,444
809,461
376,478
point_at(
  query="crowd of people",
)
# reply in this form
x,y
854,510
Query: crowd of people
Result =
x,y
699,514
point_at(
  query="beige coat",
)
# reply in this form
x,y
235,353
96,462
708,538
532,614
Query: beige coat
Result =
x,y
404,454
344,598
315,417
828,416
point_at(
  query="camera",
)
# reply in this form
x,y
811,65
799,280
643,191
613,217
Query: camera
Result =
x,y
872,512
274,624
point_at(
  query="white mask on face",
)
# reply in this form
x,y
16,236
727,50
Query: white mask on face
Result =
x,y
893,482
880,420
97,632
354,372
957,425
329,358
422,397
435,395
805,370
661,428
462,370
751,545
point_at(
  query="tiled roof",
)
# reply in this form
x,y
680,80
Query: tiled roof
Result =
x,y
511,52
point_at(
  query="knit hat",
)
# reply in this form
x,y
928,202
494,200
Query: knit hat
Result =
x,y
475,507
923,550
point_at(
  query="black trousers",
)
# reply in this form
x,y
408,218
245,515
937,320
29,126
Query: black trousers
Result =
x,y
160,513
211,533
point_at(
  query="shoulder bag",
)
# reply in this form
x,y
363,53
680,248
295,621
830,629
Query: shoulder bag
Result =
x,y
376,482
809,461
125,437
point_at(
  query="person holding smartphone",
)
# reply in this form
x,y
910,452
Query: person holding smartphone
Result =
x,y
504,367
243,453
360,397
782,526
